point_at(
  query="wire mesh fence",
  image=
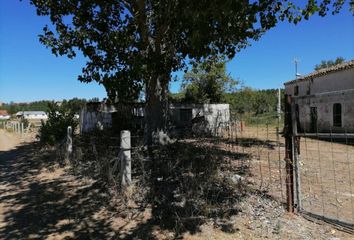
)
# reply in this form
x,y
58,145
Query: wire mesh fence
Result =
x,y
326,176
312,172
262,149
323,154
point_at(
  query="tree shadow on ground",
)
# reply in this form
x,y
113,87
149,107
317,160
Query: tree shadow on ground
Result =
x,y
191,184
249,142
39,208
186,185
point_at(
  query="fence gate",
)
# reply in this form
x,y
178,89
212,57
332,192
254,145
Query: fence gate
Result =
x,y
319,167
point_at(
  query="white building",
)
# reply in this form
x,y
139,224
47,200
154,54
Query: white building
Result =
x,y
4,115
32,115
199,118
325,99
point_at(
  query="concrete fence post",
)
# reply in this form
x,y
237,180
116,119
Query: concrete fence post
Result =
x,y
69,144
125,167
22,127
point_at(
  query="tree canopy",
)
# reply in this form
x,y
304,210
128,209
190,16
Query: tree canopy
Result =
x,y
207,81
131,45
329,63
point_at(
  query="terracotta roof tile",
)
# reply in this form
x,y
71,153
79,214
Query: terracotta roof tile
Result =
x,y
324,71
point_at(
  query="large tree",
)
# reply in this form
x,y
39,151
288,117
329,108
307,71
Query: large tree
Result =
x,y
132,45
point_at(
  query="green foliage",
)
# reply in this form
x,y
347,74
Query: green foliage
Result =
x,y
134,46
131,44
13,108
329,63
207,81
55,128
254,106
74,104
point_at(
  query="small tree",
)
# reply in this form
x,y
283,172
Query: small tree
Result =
x,y
54,129
207,81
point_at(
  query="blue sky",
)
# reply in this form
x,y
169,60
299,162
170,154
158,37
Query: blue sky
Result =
x,y
28,71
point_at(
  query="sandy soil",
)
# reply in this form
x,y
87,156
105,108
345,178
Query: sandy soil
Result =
x,y
8,140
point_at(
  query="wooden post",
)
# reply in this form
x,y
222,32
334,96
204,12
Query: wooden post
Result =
x,y
296,155
288,131
125,167
69,144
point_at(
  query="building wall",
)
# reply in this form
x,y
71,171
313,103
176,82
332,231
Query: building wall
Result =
x,y
323,92
324,104
4,117
215,116
335,81
35,116
91,120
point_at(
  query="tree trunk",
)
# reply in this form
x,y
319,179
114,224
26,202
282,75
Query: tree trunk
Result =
x,y
156,111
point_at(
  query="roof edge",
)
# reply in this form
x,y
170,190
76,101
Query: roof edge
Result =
x,y
324,71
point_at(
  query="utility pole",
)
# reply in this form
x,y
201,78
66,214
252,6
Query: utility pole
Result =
x,y
296,61
279,105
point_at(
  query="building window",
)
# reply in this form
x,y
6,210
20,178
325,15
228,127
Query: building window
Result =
x,y
296,90
185,115
337,115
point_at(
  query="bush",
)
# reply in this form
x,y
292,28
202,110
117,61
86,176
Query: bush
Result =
x,y
54,129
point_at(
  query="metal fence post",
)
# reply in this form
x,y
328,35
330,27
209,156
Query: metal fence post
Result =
x,y
289,155
125,145
69,144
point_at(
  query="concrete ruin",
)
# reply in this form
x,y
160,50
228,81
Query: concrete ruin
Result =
x,y
205,119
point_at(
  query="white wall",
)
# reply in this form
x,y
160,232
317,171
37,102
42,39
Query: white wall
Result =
x,y
35,116
336,81
4,117
337,87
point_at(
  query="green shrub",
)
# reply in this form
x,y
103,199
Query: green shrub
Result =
x,y
54,129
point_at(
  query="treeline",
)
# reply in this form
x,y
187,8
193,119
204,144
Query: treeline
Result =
x,y
243,101
252,101
74,105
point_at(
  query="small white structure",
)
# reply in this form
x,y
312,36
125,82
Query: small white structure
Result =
x,y
324,99
201,118
4,117
32,115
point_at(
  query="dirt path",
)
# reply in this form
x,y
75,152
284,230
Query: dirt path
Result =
x,y
8,141
39,199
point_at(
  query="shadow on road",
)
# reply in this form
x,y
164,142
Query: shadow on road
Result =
x,y
36,208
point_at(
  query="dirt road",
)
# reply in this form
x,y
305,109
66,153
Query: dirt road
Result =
x,y
8,141
40,200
